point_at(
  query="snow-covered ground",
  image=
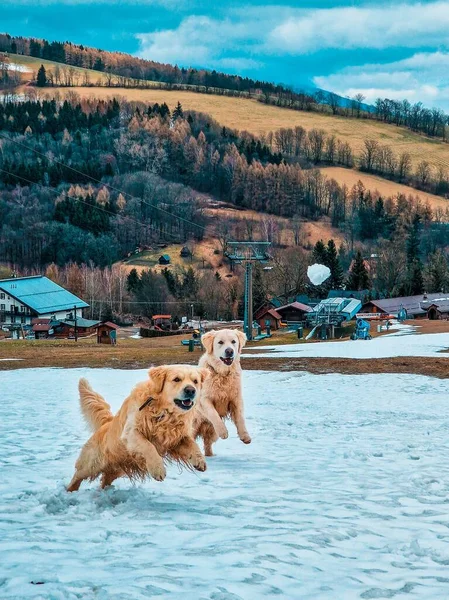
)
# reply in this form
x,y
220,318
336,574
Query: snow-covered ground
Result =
x,y
403,342
343,494
18,68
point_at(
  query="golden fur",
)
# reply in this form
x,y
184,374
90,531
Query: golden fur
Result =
x,y
135,443
221,396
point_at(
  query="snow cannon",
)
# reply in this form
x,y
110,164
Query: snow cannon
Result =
x,y
362,330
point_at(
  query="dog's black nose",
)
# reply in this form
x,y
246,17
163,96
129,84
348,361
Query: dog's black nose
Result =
x,y
189,391
229,352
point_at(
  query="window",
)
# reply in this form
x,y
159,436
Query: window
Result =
x,y
22,309
23,320
2,296
2,307
13,319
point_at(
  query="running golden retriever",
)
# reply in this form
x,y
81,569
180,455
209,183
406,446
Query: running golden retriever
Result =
x,y
154,423
221,396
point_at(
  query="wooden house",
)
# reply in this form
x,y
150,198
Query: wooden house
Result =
x,y
269,315
164,259
293,312
185,252
107,333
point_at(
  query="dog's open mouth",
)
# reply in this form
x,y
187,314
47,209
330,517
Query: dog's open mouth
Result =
x,y
184,404
227,361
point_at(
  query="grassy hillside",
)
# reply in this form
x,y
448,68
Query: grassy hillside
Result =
x,y
258,118
385,187
32,65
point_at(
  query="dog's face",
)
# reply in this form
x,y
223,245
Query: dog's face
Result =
x,y
178,385
225,345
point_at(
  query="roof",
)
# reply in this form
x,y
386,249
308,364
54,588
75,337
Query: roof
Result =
x,y
41,294
269,311
161,317
414,305
165,257
360,294
295,305
42,327
109,324
442,304
83,323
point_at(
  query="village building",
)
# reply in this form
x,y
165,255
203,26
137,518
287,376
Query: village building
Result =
x,y
107,333
294,312
185,252
438,309
25,298
268,316
412,307
164,259
161,321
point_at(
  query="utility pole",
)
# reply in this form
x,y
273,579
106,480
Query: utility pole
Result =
x,y
248,253
76,327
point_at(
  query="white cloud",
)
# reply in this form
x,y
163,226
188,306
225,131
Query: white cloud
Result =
x,y
393,25
421,77
201,41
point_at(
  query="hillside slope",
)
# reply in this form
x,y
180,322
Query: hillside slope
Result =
x,y
259,118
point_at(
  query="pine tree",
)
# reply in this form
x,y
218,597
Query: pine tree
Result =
x,y
178,112
358,276
335,281
415,282
437,274
41,80
133,282
319,253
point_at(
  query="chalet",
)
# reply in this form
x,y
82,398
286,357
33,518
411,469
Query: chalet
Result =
x,y
84,327
414,307
438,309
185,252
107,333
293,312
268,315
164,259
25,298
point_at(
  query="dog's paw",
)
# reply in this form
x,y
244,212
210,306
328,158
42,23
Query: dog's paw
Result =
x,y
157,471
223,433
246,438
199,463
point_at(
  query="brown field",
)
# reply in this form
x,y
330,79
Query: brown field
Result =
x,y
33,63
258,118
387,188
141,354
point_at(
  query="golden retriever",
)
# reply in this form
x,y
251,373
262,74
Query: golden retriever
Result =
x,y
154,423
221,396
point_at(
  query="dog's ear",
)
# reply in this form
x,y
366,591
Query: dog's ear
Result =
x,y
204,374
208,340
242,339
157,376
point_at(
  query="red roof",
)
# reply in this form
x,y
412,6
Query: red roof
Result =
x,y
269,311
109,324
39,321
162,317
41,327
298,305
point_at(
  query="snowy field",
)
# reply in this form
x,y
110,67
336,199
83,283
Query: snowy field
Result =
x,y
343,494
403,342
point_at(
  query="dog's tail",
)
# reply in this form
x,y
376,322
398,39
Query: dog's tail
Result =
x,y
94,407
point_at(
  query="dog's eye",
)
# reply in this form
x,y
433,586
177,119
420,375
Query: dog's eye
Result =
x,y
233,341
177,379
221,343
195,381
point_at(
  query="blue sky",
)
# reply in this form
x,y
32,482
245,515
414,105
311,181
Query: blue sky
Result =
x,y
393,49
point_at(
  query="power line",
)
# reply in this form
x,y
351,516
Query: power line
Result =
x,y
115,189
95,206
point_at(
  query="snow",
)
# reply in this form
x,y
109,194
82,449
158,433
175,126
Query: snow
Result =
x,y
318,273
3,359
404,342
343,494
17,67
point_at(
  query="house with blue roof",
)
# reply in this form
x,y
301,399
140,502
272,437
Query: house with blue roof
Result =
x,y
25,298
